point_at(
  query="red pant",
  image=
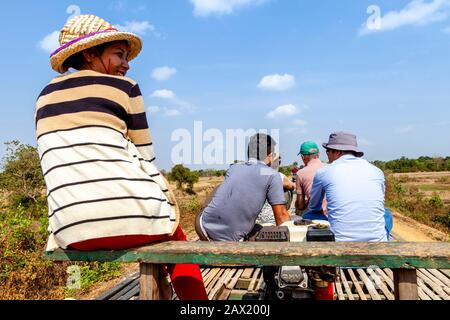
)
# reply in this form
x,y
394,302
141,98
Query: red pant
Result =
x,y
186,279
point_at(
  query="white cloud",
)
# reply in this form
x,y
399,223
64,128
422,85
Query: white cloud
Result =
x,y
300,122
50,42
174,100
167,112
171,112
276,82
204,8
153,109
407,129
417,13
283,111
163,94
163,73
138,27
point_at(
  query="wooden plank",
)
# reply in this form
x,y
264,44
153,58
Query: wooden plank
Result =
x,y
438,282
369,285
389,273
422,294
427,290
235,279
434,255
254,278
386,278
110,293
125,289
338,287
440,276
242,284
346,286
247,273
223,293
219,284
211,276
148,283
230,276
205,272
133,292
214,280
446,272
380,283
405,284
355,281
436,287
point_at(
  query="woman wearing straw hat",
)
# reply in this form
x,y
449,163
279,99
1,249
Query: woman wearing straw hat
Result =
x,y
104,190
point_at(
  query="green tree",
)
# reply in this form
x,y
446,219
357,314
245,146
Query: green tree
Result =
x,y
182,175
22,175
192,178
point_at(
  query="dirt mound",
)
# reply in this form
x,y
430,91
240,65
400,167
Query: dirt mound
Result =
x,y
407,229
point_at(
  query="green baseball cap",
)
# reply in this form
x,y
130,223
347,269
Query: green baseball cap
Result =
x,y
308,148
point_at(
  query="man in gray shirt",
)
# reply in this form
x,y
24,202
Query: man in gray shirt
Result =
x,y
232,212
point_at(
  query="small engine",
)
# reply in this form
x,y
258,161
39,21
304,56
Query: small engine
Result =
x,y
296,282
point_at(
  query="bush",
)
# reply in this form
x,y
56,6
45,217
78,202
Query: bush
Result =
x,y
22,175
425,164
182,175
443,220
436,202
24,274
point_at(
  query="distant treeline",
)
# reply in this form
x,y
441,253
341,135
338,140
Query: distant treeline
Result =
x,y
422,164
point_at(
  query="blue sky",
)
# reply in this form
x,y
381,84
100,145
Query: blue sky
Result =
x,y
303,67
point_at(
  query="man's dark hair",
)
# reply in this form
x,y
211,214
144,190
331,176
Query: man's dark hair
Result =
x,y
260,146
353,153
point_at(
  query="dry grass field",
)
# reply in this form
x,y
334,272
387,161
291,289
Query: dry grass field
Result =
x,y
190,205
428,183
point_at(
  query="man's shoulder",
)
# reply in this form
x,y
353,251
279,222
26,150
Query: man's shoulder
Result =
x,y
321,171
249,168
376,169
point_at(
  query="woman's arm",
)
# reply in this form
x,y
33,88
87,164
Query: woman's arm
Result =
x,y
138,130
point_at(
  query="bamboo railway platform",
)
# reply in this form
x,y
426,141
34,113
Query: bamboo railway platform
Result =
x,y
241,283
409,271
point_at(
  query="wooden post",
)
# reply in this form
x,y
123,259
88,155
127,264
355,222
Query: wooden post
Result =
x,y
405,284
149,289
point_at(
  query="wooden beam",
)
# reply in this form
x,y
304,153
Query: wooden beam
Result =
x,y
334,254
405,284
149,289
355,281
345,283
369,285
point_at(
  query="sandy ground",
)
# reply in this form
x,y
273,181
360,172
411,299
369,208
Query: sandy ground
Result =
x,y
407,229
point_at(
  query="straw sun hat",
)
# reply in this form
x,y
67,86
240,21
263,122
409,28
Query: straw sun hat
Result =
x,y
87,31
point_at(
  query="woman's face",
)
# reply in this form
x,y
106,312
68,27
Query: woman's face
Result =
x,y
113,60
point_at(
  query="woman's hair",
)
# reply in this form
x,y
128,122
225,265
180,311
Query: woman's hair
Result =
x,y
77,60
